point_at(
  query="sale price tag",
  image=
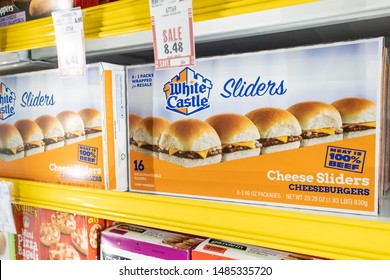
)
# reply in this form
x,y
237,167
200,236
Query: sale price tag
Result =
x,y
69,30
7,222
173,37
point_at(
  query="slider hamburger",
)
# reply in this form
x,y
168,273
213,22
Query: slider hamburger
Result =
x,y
279,129
32,137
320,122
147,134
190,143
92,122
3,243
73,126
39,8
358,116
52,130
11,143
133,122
238,135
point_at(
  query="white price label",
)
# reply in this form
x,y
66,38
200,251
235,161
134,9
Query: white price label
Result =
x,y
7,222
69,30
173,37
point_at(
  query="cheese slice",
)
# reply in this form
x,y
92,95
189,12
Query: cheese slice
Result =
x,y
283,139
76,132
55,139
202,154
37,143
330,131
249,144
172,151
368,124
141,143
13,150
98,128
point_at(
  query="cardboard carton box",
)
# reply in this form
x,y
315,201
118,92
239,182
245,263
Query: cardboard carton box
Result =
x,y
215,249
127,241
300,127
65,130
44,234
16,11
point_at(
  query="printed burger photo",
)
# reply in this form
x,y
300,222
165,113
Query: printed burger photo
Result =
x,y
147,134
358,116
238,135
11,143
190,143
279,129
320,122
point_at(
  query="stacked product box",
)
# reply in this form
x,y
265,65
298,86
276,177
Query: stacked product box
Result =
x,y
301,127
215,249
16,11
44,234
65,130
133,242
7,246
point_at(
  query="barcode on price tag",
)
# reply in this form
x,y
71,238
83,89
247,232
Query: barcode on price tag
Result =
x,y
69,30
173,37
7,222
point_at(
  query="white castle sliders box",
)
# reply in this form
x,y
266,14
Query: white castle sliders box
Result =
x,y
65,130
300,127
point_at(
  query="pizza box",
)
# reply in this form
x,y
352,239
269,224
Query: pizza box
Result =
x,y
133,242
44,234
16,11
216,249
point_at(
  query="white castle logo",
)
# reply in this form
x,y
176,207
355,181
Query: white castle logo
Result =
x,y
7,102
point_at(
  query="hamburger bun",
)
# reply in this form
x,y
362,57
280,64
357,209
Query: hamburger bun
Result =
x,y
73,126
3,243
39,8
279,129
190,143
32,136
92,122
238,135
11,143
52,130
133,122
358,116
320,122
147,134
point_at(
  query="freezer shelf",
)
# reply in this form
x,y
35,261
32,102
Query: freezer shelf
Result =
x,y
321,234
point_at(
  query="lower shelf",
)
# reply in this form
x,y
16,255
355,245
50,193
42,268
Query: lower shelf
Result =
x,y
318,234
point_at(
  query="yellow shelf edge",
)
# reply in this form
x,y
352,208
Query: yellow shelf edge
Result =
x,y
317,234
125,17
